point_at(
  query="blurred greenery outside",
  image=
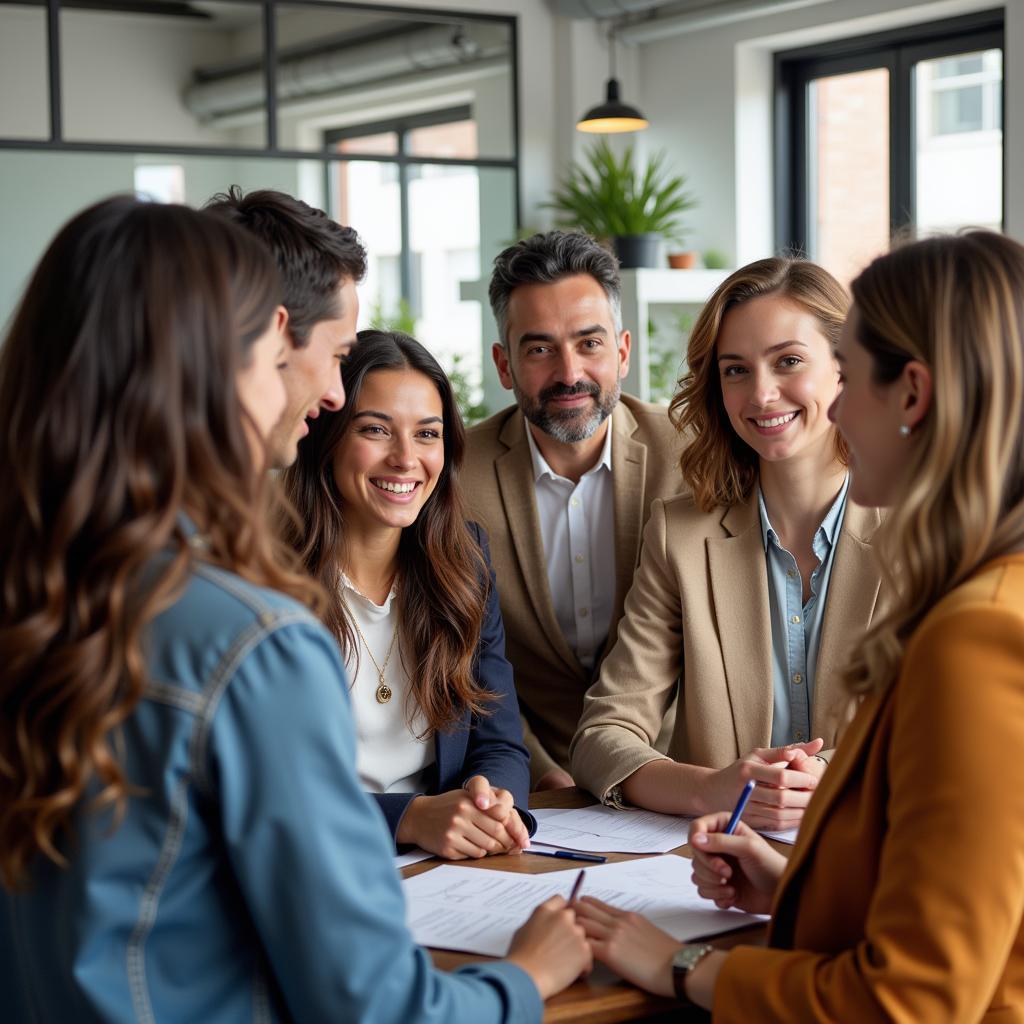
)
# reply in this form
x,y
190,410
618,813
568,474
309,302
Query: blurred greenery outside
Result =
x,y
466,385
668,337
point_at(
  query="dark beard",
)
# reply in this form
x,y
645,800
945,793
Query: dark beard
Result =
x,y
569,426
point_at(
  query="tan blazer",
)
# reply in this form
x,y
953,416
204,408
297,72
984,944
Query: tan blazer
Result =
x,y
698,612
903,900
499,488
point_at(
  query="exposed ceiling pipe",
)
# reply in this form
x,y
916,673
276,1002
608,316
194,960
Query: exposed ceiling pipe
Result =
x,y
710,15
344,67
580,9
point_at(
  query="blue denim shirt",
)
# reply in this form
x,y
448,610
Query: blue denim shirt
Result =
x,y
796,626
251,879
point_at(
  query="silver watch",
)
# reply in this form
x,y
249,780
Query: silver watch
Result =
x,y
683,962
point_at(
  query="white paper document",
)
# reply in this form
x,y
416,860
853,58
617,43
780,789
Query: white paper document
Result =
x,y
610,830
788,836
414,856
476,910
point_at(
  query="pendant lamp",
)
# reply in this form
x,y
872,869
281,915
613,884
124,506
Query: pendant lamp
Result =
x,y
613,115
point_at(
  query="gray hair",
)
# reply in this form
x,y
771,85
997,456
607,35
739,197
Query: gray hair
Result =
x,y
547,258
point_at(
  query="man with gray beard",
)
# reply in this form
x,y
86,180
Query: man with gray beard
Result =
x,y
564,479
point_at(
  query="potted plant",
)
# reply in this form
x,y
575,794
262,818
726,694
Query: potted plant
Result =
x,y
635,207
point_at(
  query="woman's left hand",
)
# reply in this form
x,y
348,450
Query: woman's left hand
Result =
x,y
811,765
499,805
629,944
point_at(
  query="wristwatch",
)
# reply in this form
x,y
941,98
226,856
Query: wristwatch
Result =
x,y
683,962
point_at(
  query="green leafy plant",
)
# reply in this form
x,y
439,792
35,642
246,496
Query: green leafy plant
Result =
x,y
467,392
400,320
609,196
715,259
666,356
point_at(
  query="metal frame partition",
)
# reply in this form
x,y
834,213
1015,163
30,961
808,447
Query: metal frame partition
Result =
x,y
271,150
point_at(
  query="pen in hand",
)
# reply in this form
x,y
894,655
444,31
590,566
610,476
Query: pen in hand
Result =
x,y
577,885
740,807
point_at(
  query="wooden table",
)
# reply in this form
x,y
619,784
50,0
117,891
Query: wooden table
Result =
x,y
603,997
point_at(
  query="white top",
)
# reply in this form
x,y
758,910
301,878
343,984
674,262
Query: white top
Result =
x,y
577,525
391,757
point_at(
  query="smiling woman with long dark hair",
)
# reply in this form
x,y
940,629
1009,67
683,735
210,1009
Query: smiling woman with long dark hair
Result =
x,y
412,599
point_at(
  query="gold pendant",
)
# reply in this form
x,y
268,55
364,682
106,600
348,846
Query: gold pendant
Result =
x,y
383,694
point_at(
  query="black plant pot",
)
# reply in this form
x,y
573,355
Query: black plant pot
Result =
x,y
638,250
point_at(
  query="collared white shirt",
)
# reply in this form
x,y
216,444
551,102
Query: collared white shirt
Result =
x,y
577,525
391,757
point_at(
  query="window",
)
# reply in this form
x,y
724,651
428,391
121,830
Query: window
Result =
x,y
418,193
961,94
883,134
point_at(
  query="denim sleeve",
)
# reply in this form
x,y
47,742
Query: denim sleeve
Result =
x,y
313,857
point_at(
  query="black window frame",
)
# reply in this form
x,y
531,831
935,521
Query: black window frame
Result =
x,y
899,51
403,161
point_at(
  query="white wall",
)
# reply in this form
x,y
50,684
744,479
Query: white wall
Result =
x,y
1013,138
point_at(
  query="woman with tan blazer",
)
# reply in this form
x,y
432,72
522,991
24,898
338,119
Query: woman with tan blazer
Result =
x,y
750,589
903,900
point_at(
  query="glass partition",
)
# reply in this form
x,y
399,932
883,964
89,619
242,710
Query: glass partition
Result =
x,y
144,77
23,73
402,124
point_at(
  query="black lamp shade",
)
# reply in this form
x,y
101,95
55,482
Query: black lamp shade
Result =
x,y
613,115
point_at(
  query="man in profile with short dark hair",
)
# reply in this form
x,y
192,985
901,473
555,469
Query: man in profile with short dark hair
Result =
x,y
320,263
564,479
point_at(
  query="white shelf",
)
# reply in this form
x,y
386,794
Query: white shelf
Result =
x,y
673,286
648,287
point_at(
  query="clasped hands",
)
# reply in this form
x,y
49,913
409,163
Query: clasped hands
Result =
x,y
786,778
475,821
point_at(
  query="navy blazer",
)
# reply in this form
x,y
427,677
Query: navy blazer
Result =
x,y
489,745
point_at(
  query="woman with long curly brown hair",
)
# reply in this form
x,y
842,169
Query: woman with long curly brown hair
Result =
x,y
752,584
903,900
412,599
158,859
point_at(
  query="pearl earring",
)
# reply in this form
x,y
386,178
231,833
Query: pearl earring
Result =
x,y
904,430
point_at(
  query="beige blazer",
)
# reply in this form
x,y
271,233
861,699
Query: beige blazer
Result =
x,y
499,489
698,613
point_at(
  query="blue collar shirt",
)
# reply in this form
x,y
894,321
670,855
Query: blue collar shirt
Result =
x,y
796,627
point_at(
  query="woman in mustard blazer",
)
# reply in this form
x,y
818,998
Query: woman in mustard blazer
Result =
x,y
904,897
750,588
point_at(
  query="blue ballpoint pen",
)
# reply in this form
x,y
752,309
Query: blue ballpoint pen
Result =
x,y
740,806
593,858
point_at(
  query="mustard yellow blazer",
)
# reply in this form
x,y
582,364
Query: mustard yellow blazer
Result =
x,y
699,613
903,900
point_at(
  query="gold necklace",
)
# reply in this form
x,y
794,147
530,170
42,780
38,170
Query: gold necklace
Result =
x,y
383,691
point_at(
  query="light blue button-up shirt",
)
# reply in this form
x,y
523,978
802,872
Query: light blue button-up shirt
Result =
x,y
796,627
